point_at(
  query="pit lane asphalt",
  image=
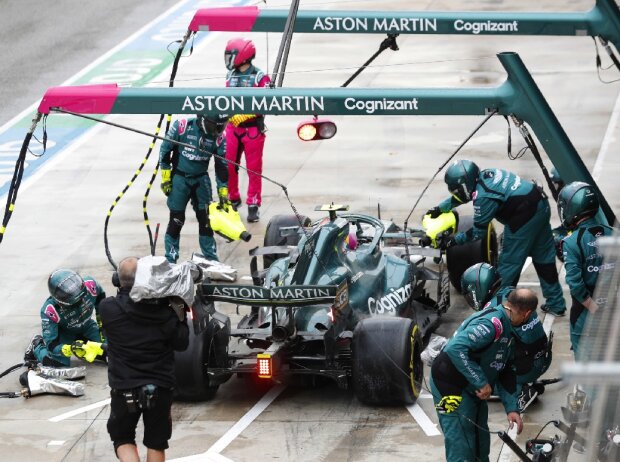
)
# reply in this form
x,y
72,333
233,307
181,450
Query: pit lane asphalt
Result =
x,y
60,213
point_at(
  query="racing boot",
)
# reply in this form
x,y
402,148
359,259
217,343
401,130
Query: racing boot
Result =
x,y
29,356
171,245
236,203
253,213
207,247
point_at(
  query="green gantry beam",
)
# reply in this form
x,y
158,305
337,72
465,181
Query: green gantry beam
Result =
x,y
603,21
518,96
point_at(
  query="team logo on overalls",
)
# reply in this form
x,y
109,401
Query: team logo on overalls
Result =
x,y
499,328
91,286
51,313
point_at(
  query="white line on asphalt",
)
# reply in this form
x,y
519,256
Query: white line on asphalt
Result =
x,y
56,443
529,284
527,263
613,120
80,410
423,420
237,428
425,395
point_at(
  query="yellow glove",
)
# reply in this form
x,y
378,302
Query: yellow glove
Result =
x,y
166,181
92,350
222,193
76,348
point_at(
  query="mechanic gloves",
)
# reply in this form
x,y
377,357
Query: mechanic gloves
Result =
x,y
222,193
88,351
434,212
166,181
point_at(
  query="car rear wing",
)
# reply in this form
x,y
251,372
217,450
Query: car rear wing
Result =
x,y
276,296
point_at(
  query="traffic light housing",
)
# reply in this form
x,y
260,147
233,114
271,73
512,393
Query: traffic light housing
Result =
x,y
316,129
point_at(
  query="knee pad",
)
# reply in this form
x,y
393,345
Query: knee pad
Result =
x,y
177,220
547,272
204,225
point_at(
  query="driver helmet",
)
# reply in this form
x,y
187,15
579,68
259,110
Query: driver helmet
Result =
x,y
577,200
66,287
479,283
238,52
351,239
212,125
461,178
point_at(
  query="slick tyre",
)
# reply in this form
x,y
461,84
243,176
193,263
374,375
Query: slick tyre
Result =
x,y
273,236
461,257
387,367
204,350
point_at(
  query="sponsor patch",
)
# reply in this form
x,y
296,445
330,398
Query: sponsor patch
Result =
x,y
91,286
499,328
50,312
182,126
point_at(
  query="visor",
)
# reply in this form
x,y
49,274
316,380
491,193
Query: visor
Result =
x,y
470,298
229,59
211,127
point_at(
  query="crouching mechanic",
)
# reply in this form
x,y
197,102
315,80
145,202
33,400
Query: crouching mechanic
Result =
x,y
142,337
577,207
532,353
184,177
523,209
476,360
67,324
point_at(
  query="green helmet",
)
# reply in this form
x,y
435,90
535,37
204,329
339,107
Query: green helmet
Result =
x,y
461,179
479,283
66,287
576,201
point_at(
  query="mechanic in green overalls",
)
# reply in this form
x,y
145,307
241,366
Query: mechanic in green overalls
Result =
x,y
522,208
480,286
474,362
184,177
577,207
559,232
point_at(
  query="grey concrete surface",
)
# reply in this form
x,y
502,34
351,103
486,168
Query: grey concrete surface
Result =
x,y
372,159
45,43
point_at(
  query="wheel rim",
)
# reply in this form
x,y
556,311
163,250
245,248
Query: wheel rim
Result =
x,y
414,366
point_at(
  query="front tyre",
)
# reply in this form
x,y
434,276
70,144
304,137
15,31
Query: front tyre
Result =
x,y
387,367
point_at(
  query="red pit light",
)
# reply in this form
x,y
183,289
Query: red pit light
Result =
x,y
264,365
316,130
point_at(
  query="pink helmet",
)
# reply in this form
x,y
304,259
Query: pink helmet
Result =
x,y
351,239
238,51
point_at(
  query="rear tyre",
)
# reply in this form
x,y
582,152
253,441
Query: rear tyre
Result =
x,y
387,367
461,257
207,349
274,238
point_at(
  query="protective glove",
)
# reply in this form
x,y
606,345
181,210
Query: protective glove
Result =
x,y
76,349
434,212
166,181
222,193
448,404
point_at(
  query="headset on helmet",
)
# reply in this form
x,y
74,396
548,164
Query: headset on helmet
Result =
x,y
66,287
556,179
576,201
461,179
479,283
238,52
212,125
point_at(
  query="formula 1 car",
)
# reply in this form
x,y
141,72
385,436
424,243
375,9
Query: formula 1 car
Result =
x,y
350,297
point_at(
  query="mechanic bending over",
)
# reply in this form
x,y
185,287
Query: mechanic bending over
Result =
x,y
476,360
184,176
142,338
522,207
578,205
532,354
245,132
66,321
